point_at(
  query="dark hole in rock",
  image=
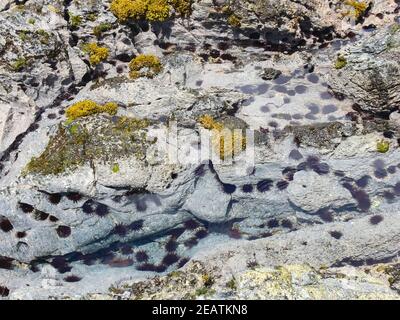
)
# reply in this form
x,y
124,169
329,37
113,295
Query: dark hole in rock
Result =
x,y
285,223
120,230
191,224
63,231
201,234
141,256
6,263
228,188
273,223
21,234
170,258
72,278
4,291
102,210
136,225
376,219
171,245
5,225
264,185
325,214
190,243
26,207
336,234
182,262
54,198
247,188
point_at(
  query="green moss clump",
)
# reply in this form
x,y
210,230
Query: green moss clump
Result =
x,y
231,284
44,37
23,35
234,21
92,16
144,66
75,21
382,146
31,21
102,27
394,28
96,53
115,168
100,138
19,64
340,62
88,107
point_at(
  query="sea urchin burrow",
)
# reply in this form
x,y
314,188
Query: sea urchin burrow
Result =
x,y
376,219
25,207
336,234
311,191
63,231
325,214
264,185
5,225
141,256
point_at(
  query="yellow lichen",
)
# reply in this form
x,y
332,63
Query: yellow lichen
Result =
x,y
151,10
382,146
225,141
183,7
234,21
157,10
88,107
96,53
209,123
340,62
144,66
359,7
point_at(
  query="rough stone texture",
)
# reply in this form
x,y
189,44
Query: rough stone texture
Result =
x,y
104,199
371,75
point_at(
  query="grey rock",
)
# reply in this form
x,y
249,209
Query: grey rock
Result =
x,y
371,74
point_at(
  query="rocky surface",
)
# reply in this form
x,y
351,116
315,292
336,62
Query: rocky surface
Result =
x,y
307,211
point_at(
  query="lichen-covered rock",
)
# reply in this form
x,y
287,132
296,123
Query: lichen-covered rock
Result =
x,y
371,73
286,282
103,173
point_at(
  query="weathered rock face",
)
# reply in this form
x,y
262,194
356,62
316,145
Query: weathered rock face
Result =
x,y
134,188
288,282
371,72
